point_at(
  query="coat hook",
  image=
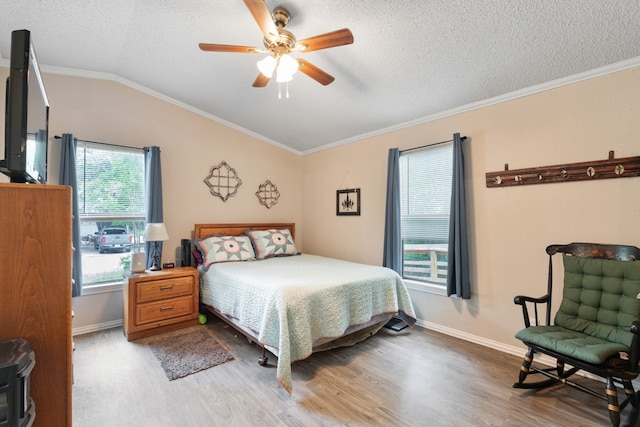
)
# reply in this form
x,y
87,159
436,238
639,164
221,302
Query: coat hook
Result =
x,y
506,166
610,154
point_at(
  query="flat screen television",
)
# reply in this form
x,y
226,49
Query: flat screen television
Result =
x,y
26,115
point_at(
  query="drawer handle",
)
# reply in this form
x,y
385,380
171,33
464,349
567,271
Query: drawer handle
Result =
x,y
166,288
166,308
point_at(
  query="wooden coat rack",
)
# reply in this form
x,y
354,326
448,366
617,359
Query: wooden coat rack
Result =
x,y
583,171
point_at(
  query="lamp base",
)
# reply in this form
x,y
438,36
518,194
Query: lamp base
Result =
x,y
155,266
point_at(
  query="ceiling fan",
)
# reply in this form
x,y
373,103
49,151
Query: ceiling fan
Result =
x,y
279,42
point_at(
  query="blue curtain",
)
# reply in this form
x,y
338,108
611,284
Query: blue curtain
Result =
x,y
153,191
392,251
68,177
458,264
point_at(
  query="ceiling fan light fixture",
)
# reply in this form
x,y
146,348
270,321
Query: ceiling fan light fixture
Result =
x,y
267,66
287,67
283,77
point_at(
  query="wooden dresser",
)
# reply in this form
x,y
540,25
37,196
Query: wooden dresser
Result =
x,y
35,289
159,301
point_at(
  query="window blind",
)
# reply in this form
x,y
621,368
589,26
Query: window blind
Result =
x,y
425,185
110,181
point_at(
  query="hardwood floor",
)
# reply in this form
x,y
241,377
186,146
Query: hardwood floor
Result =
x,y
413,378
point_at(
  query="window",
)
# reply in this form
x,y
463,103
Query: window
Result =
x,y
111,204
425,200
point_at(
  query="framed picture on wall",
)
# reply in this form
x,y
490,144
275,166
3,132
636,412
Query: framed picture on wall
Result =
x,y
348,202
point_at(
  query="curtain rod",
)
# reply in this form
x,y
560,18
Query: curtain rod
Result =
x,y
462,138
104,143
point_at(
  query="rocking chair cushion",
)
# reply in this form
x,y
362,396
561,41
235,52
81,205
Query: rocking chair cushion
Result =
x,y
600,298
600,301
574,344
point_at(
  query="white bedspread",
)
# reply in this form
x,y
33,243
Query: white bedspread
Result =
x,y
291,302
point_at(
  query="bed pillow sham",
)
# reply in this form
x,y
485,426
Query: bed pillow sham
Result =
x,y
225,249
197,255
270,243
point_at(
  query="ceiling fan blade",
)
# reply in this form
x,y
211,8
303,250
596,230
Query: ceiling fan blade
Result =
x,y
315,73
324,41
263,18
211,47
261,80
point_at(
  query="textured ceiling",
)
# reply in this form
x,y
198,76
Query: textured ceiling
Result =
x,y
411,59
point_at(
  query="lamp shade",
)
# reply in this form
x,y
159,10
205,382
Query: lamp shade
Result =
x,y
287,67
267,66
155,232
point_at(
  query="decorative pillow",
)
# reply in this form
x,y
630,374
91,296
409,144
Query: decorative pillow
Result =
x,y
270,243
224,249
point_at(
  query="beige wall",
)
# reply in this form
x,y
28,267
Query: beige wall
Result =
x,y
190,144
509,227
106,111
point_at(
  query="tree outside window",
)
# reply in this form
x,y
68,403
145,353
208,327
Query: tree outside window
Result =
x,y
110,198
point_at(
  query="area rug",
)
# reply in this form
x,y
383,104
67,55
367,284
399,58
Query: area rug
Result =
x,y
187,351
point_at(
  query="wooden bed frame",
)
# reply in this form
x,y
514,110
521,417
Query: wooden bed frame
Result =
x,y
359,333
205,230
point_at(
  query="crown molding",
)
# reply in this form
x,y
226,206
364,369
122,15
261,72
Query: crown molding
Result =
x,y
531,90
97,75
552,84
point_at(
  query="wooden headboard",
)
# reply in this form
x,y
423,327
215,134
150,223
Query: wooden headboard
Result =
x,y
205,230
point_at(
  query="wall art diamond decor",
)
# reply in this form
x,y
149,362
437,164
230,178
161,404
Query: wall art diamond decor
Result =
x,y
268,194
223,181
348,202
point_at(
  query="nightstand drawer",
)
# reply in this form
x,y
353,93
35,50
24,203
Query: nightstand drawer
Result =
x,y
164,288
163,310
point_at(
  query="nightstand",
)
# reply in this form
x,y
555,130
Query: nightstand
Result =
x,y
159,301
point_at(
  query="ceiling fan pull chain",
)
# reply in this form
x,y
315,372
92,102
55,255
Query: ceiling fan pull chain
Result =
x,y
279,90
287,90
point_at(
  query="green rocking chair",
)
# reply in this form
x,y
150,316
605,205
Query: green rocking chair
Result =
x,y
596,329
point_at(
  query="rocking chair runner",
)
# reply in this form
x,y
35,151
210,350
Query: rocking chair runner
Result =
x,y
596,328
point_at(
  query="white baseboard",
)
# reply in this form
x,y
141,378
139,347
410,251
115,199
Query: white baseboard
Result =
x,y
509,349
97,327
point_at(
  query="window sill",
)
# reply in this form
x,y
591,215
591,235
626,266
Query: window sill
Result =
x,y
102,288
429,288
